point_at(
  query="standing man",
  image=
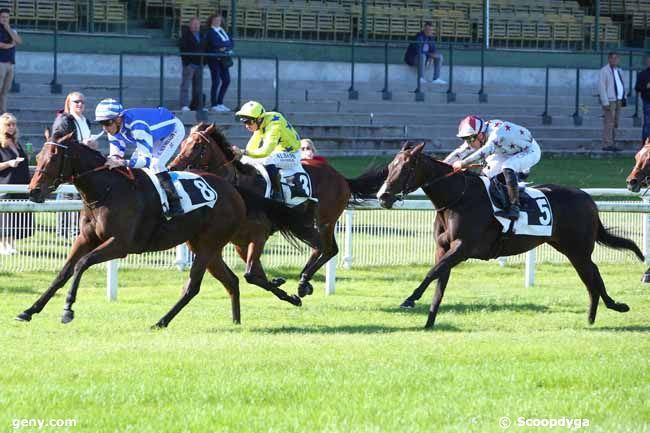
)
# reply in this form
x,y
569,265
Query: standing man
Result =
x,y
8,41
611,89
643,89
423,52
192,65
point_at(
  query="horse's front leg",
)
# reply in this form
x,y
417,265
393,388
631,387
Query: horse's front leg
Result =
x,y
108,250
409,302
80,247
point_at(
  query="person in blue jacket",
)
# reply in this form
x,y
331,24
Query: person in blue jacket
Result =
x,y
218,41
422,53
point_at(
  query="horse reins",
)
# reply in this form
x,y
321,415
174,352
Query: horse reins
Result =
x,y
434,181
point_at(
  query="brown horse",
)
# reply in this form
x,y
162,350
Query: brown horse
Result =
x,y
465,227
122,215
639,178
208,148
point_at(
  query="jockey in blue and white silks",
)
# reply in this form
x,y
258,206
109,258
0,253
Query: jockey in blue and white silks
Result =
x,y
154,132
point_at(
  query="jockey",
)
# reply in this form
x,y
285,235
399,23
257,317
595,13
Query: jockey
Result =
x,y
274,142
504,146
154,132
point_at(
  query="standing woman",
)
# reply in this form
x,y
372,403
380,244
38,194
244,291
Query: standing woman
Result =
x,y
72,119
14,169
219,42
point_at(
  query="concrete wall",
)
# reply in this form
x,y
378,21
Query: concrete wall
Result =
x,y
507,79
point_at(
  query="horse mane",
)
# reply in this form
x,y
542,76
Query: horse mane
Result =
x,y
222,141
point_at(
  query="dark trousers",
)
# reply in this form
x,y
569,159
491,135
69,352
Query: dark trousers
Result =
x,y
646,121
218,74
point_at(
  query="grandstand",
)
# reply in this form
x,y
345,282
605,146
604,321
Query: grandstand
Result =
x,y
540,31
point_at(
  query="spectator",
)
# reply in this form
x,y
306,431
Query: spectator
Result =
x,y
422,53
8,40
218,41
643,88
192,65
72,118
14,169
611,89
308,150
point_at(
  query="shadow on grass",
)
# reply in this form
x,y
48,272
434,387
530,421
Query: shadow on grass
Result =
x,y
20,289
461,308
350,329
631,328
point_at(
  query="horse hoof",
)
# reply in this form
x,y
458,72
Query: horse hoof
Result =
x,y
158,326
24,317
277,282
67,317
295,300
408,304
621,308
305,289
645,278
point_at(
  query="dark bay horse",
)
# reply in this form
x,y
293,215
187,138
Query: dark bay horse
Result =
x,y
639,178
465,227
122,215
207,148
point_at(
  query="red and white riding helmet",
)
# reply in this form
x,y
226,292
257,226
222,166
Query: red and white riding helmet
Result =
x,y
471,125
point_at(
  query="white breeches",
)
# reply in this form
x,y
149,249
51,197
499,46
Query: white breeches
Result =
x,y
282,160
519,162
166,148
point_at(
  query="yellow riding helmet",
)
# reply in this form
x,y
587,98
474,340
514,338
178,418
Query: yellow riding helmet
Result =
x,y
251,109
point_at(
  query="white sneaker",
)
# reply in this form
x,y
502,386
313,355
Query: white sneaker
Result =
x,y
185,108
222,108
439,81
424,81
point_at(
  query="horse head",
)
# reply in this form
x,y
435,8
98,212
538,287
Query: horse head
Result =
x,y
201,150
403,176
54,166
639,177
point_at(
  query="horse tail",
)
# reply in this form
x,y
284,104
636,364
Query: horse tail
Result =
x,y
620,243
368,183
290,222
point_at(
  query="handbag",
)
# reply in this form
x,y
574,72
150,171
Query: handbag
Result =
x,y
226,61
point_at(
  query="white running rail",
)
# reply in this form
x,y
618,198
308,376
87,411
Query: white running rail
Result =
x,y
403,235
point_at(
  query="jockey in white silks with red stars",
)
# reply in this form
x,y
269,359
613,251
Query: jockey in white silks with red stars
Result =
x,y
504,146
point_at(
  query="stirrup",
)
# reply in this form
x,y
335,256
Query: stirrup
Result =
x,y
512,213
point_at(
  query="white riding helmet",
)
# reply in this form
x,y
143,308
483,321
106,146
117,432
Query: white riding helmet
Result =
x,y
471,125
108,109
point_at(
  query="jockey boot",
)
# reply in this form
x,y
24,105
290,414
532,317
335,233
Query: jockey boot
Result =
x,y
173,200
276,186
512,185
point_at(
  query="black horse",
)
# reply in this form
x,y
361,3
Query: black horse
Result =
x,y
465,227
122,215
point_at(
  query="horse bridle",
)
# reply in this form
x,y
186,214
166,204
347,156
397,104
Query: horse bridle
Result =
x,y
58,179
405,189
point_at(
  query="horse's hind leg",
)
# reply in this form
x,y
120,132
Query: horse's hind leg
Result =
x,y
590,276
255,273
222,272
191,289
80,247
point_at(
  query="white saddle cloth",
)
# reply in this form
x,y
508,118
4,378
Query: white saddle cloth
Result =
x,y
535,218
193,190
